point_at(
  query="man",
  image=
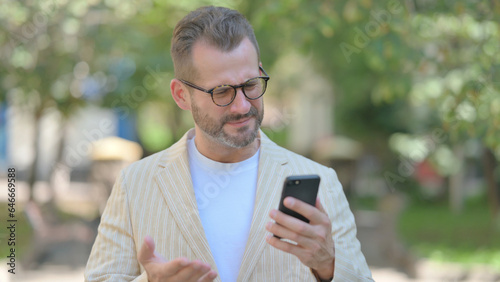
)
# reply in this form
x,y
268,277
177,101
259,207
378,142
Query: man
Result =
x,y
205,208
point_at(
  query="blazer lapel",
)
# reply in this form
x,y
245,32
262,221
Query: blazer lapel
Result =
x,y
272,171
176,186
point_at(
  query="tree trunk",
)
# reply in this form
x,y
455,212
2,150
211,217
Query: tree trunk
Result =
x,y
33,172
490,164
58,166
457,182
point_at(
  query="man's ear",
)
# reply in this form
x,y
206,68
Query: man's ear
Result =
x,y
180,94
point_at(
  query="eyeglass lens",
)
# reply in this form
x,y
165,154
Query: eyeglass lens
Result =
x,y
253,89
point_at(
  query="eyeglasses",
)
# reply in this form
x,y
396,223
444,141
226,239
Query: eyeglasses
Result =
x,y
223,95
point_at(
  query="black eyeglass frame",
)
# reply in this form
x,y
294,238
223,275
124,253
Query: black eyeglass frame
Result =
x,y
235,87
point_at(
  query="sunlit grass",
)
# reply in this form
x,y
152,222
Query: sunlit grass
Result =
x,y
433,231
23,232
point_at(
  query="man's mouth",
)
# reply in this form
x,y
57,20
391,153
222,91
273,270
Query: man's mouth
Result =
x,y
240,122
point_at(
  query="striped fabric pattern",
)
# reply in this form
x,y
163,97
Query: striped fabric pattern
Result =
x,y
154,196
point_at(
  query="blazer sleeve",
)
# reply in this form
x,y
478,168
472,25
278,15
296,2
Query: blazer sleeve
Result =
x,y
350,263
113,256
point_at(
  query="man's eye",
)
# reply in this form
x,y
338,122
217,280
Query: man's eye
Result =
x,y
222,90
251,84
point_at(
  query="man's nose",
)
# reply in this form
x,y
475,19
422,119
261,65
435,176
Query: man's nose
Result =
x,y
240,104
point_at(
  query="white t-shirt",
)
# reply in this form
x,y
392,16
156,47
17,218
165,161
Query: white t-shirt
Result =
x,y
225,194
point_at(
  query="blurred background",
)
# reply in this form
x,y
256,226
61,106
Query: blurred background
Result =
x,y
400,97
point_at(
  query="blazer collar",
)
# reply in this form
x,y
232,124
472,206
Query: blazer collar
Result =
x,y
273,169
175,184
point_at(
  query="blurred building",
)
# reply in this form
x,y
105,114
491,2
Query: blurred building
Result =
x,y
87,125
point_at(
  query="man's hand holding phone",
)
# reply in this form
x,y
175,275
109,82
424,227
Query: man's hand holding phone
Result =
x,y
315,246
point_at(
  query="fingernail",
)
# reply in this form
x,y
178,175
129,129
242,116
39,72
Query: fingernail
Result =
x,y
290,201
273,213
268,225
184,262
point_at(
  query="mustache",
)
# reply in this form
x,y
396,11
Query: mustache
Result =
x,y
253,112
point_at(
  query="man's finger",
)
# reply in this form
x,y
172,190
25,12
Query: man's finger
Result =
x,y
284,246
319,206
175,266
209,277
147,251
291,223
193,272
308,211
286,233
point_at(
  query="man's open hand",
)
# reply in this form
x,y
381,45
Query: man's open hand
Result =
x,y
179,269
315,247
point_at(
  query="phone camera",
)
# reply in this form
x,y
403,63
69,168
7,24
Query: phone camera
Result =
x,y
297,182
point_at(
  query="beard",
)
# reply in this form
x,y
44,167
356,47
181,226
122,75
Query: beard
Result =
x,y
215,129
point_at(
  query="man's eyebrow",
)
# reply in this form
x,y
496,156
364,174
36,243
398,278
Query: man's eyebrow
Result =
x,y
228,84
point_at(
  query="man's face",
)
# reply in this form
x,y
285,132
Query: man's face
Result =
x,y
237,124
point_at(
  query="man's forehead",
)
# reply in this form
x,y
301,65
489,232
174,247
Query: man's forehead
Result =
x,y
208,59
203,44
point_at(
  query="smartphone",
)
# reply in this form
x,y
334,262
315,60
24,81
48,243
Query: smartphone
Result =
x,y
302,187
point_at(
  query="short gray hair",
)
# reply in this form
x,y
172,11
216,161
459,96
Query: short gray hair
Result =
x,y
220,27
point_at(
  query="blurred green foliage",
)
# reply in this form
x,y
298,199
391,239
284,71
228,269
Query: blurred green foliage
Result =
x,y
389,61
399,66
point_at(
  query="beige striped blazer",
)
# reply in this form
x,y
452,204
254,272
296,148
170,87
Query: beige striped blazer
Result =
x,y
154,196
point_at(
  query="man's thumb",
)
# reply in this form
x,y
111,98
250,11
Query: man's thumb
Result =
x,y
147,251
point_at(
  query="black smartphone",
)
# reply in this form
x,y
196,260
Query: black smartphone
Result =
x,y
302,187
